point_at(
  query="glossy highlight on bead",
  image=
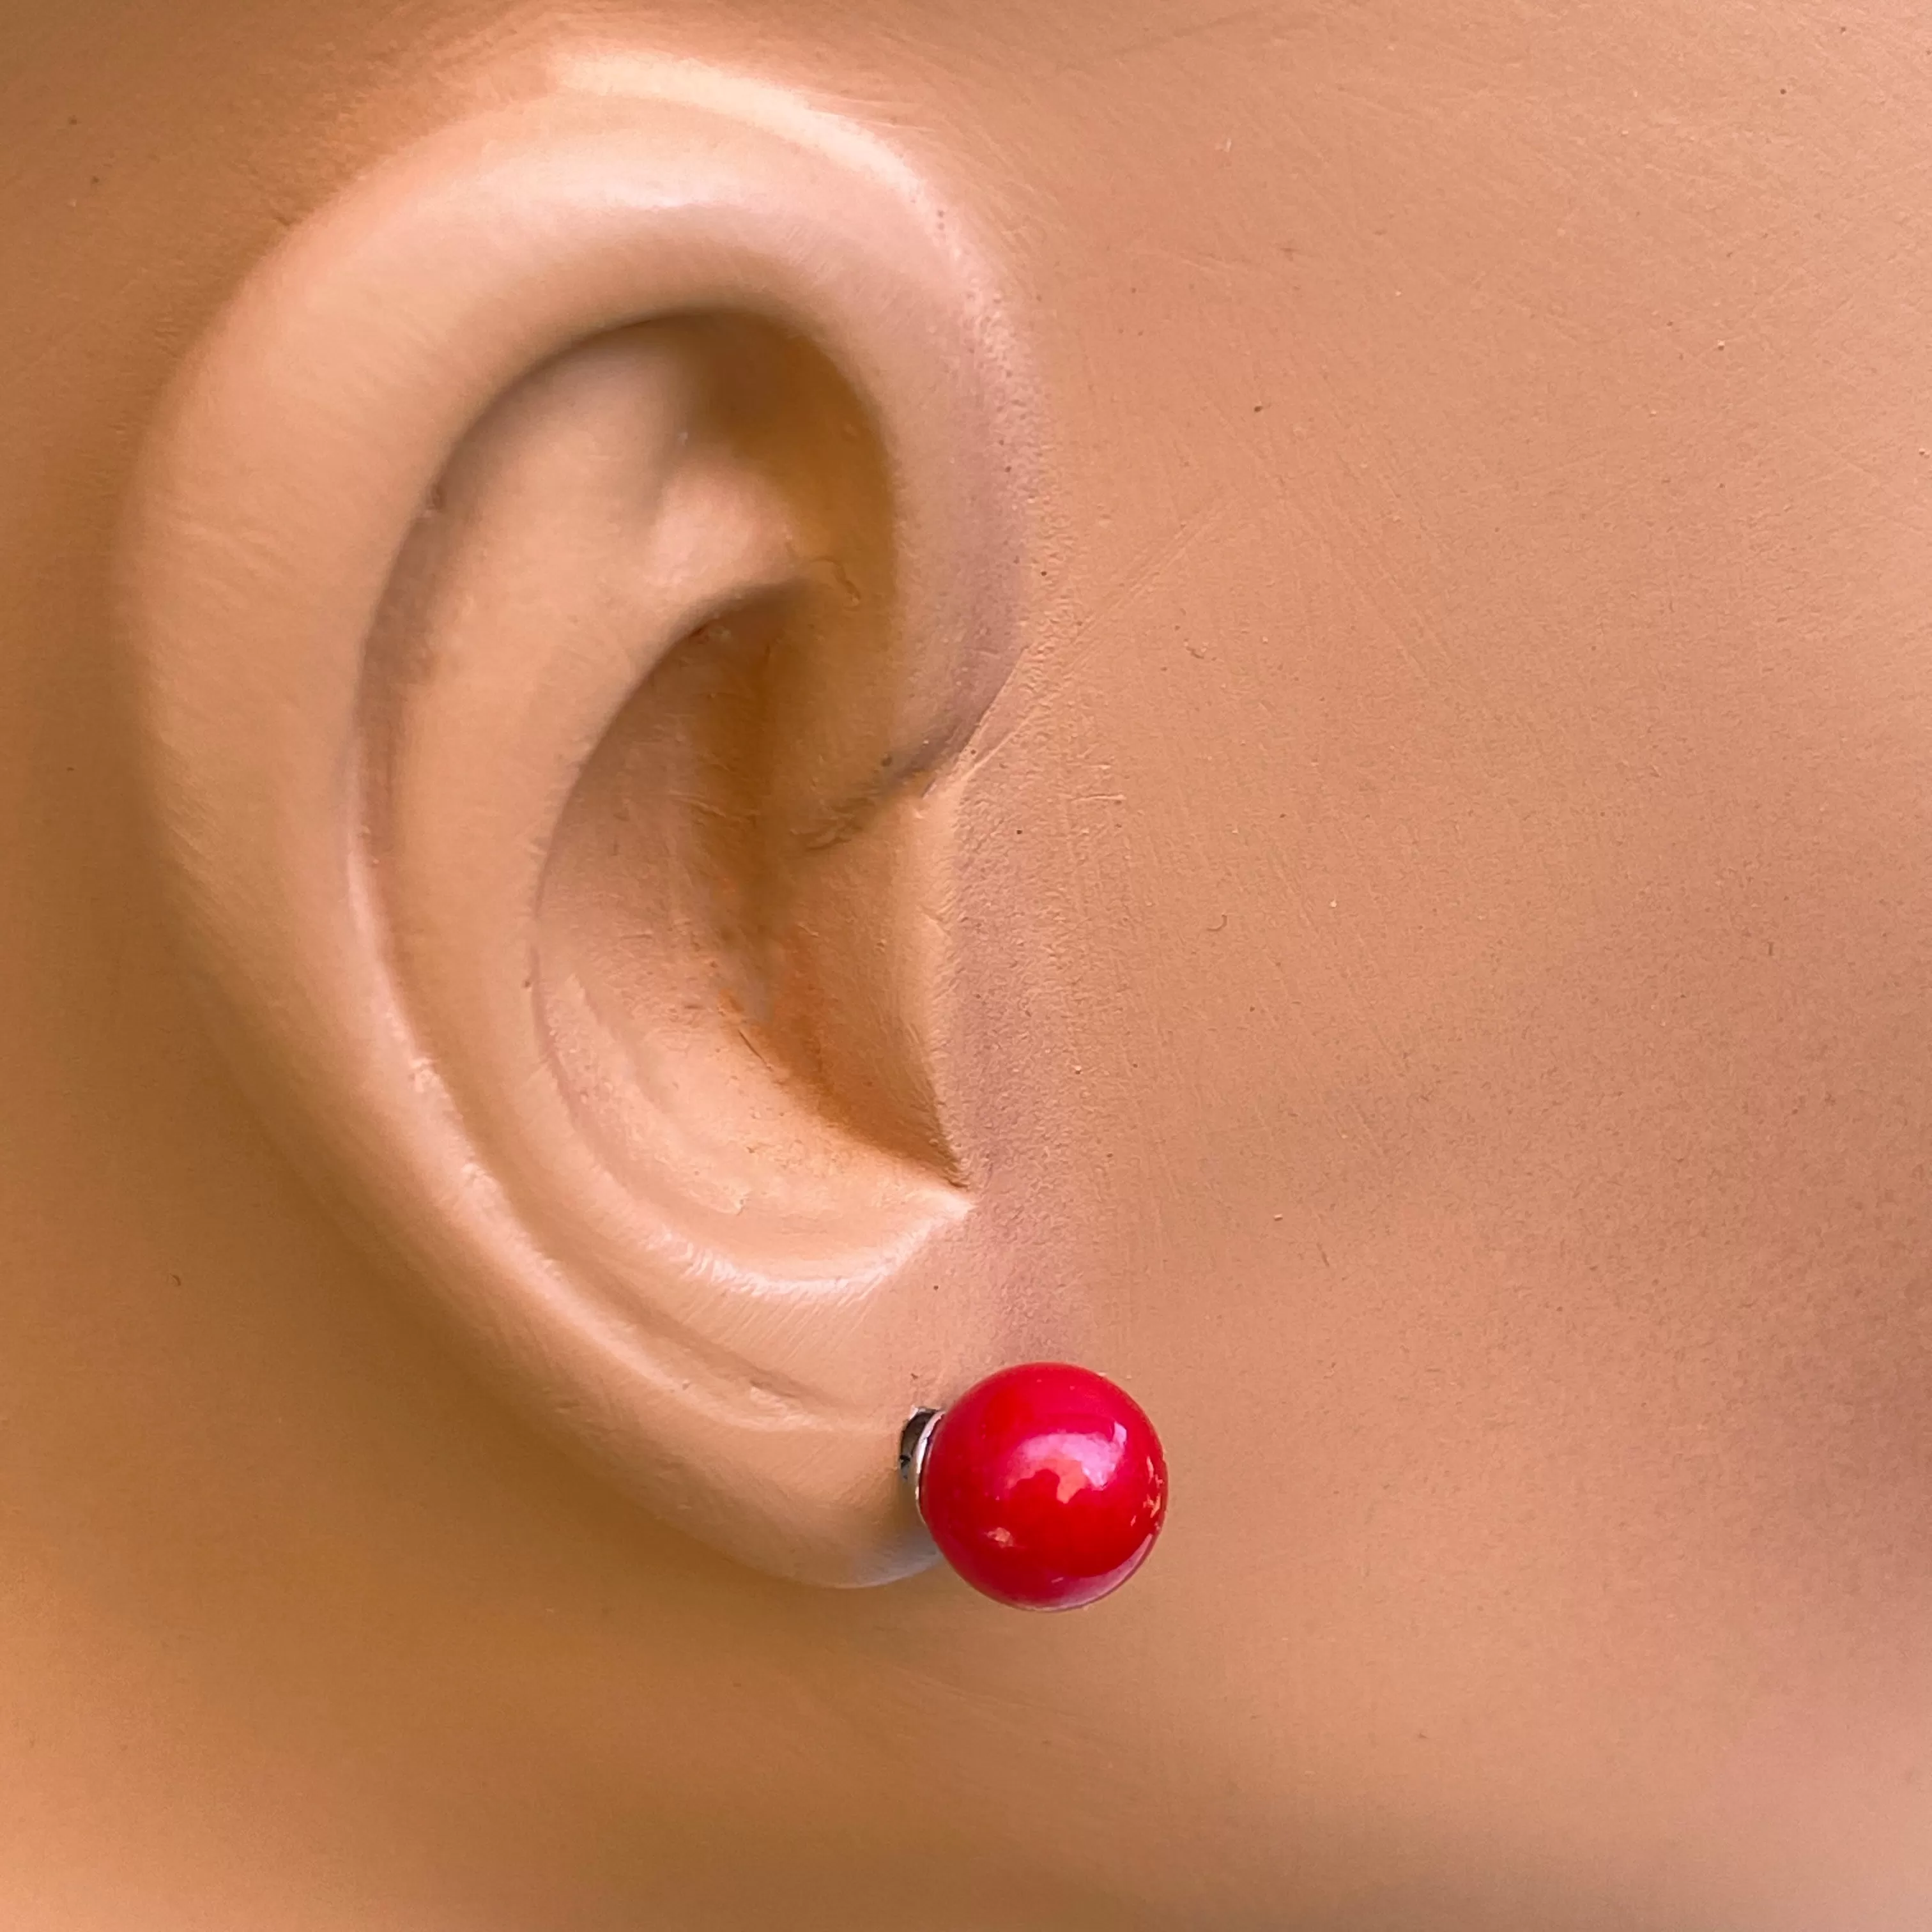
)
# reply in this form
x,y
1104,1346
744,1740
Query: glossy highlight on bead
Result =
x,y
1043,1486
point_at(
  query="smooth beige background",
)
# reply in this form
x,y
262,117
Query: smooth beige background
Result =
x,y
1446,895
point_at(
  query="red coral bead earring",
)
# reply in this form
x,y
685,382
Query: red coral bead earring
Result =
x,y
1044,1485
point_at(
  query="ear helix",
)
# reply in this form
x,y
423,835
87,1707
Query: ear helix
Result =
x,y
734,1334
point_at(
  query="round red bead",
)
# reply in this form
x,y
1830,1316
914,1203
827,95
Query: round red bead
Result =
x,y
1044,1485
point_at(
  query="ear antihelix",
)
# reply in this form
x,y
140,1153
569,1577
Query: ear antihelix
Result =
x,y
597,523
444,535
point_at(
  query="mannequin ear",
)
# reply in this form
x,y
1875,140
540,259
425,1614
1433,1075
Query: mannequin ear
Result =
x,y
560,583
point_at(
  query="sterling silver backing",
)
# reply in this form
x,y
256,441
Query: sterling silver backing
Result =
x,y
915,1439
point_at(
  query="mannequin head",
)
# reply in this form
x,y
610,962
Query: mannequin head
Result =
x,y
1236,695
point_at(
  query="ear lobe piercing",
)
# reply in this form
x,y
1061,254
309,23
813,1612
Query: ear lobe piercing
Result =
x,y
1044,1485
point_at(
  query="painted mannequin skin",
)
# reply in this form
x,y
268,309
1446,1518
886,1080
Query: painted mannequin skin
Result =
x,y
1392,924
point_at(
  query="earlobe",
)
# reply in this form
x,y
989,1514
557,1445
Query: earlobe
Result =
x,y
559,584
